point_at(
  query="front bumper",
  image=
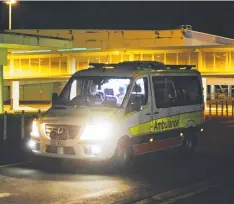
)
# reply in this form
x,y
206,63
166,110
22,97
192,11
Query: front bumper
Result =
x,y
94,151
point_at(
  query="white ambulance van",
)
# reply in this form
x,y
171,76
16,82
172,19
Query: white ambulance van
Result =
x,y
115,112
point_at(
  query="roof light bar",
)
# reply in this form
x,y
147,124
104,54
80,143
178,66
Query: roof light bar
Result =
x,y
141,65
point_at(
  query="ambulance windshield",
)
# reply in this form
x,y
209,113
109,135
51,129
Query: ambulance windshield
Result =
x,y
95,91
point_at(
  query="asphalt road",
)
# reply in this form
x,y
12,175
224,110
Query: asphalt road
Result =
x,y
164,177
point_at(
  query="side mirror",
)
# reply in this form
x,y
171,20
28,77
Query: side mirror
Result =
x,y
54,98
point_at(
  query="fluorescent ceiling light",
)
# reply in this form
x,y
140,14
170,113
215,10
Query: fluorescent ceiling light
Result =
x,y
29,51
78,49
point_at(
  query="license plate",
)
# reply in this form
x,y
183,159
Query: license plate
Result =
x,y
60,143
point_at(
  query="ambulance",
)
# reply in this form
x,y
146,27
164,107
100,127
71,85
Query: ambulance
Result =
x,y
114,112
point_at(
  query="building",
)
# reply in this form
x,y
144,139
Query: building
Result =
x,y
10,42
43,71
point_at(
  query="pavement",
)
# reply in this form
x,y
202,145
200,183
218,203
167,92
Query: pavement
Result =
x,y
206,176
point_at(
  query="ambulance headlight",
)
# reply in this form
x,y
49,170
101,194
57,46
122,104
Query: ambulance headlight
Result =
x,y
97,131
35,129
31,144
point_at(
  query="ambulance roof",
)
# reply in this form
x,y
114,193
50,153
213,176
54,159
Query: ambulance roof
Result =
x,y
130,69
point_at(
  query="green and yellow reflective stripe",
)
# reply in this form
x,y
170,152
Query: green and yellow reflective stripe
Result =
x,y
167,123
140,129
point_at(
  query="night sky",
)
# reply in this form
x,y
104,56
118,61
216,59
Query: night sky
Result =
x,y
211,17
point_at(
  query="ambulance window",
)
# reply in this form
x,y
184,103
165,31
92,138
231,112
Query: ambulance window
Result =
x,y
75,89
139,93
188,89
164,90
143,84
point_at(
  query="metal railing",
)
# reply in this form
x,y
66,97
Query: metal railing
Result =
x,y
223,108
22,125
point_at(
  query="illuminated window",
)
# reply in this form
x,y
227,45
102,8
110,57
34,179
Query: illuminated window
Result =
x,y
220,60
126,58
16,64
170,58
115,59
34,62
44,63
54,65
208,61
93,59
25,66
137,57
232,61
194,58
105,59
159,57
183,58
147,57
63,64
83,65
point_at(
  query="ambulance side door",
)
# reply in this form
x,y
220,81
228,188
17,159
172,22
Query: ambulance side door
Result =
x,y
139,107
166,115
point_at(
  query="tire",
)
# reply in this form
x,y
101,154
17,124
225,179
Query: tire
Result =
x,y
123,158
189,143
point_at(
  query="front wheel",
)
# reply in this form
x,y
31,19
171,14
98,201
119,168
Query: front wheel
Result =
x,y
189,144
123,158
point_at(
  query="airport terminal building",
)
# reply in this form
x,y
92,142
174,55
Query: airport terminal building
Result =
x,y
39,72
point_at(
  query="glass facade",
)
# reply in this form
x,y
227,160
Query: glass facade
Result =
x,y
231,61
159,57
206,61
34,65
147,57
171,58
63,65
193,58
183,58
54,65
220,61
44,65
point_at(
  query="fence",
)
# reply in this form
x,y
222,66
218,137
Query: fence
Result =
x,y
15,132
220,108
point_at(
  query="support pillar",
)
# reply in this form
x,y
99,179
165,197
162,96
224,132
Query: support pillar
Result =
x,y
1,90
12,67
230,91
212,92
3,62
200,61
14,95
71,65
204,84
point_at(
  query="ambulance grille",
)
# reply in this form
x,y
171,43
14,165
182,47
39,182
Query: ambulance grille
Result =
x,y
62,132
